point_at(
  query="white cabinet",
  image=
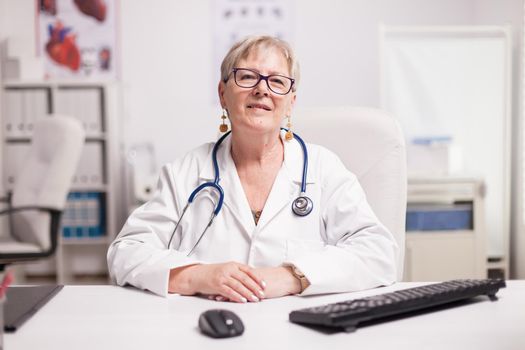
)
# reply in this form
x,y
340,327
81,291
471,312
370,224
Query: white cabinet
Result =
x,y
446,250
89,222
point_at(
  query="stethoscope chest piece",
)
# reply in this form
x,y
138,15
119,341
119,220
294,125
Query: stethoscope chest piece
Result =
x,y
302,206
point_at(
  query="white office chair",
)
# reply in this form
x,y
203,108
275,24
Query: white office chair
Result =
x,y
40,190
371,145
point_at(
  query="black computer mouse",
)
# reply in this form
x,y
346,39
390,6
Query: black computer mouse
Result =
x,y
219,323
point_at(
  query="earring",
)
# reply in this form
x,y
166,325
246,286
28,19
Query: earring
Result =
x,y
223,127
289,134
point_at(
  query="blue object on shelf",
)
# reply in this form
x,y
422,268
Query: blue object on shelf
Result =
x,y
83,215
439,217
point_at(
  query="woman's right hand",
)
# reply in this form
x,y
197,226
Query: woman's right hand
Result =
x,y
233,281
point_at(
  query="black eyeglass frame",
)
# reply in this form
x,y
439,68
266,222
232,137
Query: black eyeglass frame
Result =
x,y
261,77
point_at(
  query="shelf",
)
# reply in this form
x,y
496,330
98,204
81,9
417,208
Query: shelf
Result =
x,y
9,83
450,180
444,190
18,138
94,138
100,188
441,234
70,241
97,178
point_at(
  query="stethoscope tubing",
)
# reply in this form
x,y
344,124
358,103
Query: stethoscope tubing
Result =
x,y
305,161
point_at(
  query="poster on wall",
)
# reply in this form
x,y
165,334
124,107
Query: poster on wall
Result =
x,y
236,19
77,39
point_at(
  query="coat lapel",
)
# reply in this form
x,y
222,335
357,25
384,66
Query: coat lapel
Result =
x,y
287,185
234,196
280,197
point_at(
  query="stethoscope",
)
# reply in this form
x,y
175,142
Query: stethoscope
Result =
x,y
301,206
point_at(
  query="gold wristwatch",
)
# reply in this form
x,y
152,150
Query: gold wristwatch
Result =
x,y
301,277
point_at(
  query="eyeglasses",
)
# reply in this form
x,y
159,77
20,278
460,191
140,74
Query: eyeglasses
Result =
x,y
247,78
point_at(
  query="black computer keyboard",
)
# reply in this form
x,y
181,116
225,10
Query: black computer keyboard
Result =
x,y
351,313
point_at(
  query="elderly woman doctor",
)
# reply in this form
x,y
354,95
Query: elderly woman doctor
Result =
x,y
264,241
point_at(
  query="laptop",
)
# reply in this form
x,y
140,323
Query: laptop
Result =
x,y
22,302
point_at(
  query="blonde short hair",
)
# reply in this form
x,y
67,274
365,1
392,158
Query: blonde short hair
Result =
x,y
243,48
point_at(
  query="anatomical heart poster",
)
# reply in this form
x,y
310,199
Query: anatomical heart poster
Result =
x,y
77,39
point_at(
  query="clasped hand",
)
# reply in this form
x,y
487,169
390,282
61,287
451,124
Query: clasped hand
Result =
x,y
233,281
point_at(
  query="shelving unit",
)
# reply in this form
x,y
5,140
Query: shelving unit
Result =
x,y
435,255
90,221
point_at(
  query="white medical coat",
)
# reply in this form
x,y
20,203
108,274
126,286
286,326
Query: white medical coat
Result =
x,y
340,246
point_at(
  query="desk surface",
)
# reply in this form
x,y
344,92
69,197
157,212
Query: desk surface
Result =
x,y
109,317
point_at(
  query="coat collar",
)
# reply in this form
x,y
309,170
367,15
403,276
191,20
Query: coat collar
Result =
x,y
293,161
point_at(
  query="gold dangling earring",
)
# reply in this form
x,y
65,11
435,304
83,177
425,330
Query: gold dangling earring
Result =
x,y
289,134
223,127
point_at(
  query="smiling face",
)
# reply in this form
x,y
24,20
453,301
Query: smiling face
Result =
x,y
257,110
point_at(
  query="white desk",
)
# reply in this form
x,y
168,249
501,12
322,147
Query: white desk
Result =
x,y
108,317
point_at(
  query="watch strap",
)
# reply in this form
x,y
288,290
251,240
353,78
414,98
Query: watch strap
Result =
x,y
301,277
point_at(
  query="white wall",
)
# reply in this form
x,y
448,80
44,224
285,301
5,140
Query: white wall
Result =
x,y
17,19
336,41
165,72
510,12
165,43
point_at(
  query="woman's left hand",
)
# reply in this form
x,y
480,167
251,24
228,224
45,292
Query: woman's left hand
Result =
x,y
280,281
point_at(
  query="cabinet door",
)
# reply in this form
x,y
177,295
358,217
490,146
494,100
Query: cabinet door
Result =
x,y
15,154
437,257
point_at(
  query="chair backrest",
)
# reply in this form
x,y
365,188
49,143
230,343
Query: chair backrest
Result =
x,y
371,145
45,176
